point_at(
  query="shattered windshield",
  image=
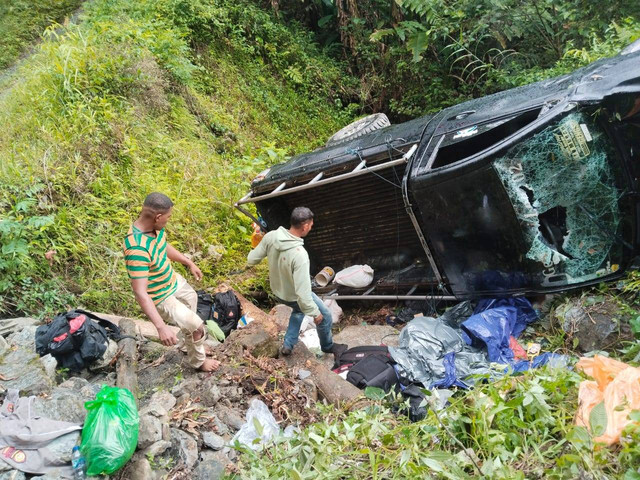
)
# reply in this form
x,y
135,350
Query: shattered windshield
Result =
x,y
562,185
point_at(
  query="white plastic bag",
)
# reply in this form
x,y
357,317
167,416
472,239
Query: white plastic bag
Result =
x,y
356,276
311,339
258,418
335,309
307,324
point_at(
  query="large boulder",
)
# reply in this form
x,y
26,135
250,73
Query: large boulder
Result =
x,y
22,367
591,322
12,325
66,401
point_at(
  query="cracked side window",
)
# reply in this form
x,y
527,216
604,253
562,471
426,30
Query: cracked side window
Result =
x,y
562,185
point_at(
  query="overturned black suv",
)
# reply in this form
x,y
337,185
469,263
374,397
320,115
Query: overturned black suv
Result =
x,y
530,190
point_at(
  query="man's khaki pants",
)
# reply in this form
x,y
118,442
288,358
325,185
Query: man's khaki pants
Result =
x,y
180,309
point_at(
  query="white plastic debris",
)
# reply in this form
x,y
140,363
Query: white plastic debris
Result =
x,y
311,339
356,276
335,309
307,324
244,321
260,427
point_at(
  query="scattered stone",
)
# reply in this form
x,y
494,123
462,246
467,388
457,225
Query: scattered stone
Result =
x,y
149,431
210,467
220,427
216,252
591,322
281,314
22,366
157,448
213,441
4,345
61,447
12,325
139,468
159,404
230,418
211,392
166,430
186,386
302,374
184,447
13,475
50,365
66,402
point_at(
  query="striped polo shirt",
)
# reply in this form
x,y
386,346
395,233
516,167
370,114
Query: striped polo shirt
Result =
x,y
146,257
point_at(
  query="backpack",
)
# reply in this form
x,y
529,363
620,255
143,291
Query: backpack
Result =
x,y
226,311
205,305
373,371
356,354
76,338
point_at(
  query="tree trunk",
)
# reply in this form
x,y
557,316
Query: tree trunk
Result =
x,y
127,364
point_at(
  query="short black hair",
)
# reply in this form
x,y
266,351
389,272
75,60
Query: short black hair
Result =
x,y
300,216
158,202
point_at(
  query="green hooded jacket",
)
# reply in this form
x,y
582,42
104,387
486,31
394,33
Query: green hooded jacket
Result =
x,y
288,268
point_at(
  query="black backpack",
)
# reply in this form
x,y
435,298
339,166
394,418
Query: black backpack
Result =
x,y
205,305
356,354
76,350
373,371
226,311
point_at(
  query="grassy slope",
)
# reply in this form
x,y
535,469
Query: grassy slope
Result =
x,y
162,95
22,21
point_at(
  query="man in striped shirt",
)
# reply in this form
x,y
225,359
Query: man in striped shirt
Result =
x,y
163,294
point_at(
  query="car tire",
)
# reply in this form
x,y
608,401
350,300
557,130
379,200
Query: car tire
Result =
x,y
358,128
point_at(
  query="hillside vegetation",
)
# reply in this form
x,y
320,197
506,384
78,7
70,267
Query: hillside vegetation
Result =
x,y
191,98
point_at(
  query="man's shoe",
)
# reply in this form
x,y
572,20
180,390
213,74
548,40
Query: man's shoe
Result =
x,y
337,349
285,351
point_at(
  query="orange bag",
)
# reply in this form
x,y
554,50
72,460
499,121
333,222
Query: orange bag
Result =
x,y
618,385
256,236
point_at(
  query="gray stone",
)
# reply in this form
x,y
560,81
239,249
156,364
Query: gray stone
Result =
x,y
211,394
12,325
149,431
74,383
213,441
4,345
591,322
281,313
166,430
184,447
24,338
61,447
4,466
52,476
23,369
13,475
157,448
65,402
186,386
220,427
50,365
230,417
159,404
210,467
359,335
139,468
107,356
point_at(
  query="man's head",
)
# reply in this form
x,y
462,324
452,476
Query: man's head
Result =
x,y
157,209
301,221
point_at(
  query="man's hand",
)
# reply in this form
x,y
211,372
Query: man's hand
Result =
x,y
195,271
167,337
318,319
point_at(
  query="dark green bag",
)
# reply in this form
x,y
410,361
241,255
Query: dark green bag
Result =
x,y
110,432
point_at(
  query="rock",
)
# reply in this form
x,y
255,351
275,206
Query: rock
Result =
x,y
149,431
66,402
13,475
220,427
591,322
50,365
210,467
61,447
139,468
184,447
157,448
166,431
4,467
359,335
213,441
4,345
107,356
281,314
211,393
186,386
159,404
22,366
12,325
230,417
256,340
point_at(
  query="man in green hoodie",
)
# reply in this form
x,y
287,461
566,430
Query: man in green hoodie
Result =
x,y
291,282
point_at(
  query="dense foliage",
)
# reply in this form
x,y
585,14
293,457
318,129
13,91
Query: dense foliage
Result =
x,y
191,98
416,56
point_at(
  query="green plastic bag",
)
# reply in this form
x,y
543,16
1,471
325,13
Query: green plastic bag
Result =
x,y
110,432
215,330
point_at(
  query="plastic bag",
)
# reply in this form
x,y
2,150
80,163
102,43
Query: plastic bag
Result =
x,y
215,331
260,427
356,276
311,339
335,309
110,433
617,386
